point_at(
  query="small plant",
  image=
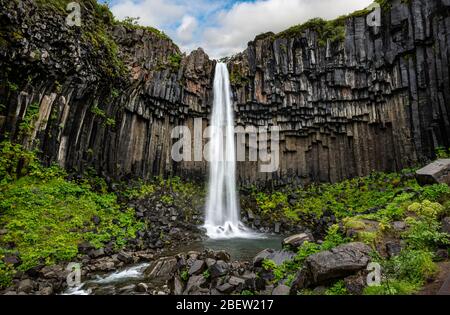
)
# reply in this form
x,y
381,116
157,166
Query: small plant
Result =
x,y
337,289
206,274
98,112
442,153
184,275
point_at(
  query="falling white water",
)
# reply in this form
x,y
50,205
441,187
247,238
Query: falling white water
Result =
x,y
222,208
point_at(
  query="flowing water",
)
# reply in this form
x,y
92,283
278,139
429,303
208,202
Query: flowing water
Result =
x,y
222,208
222,221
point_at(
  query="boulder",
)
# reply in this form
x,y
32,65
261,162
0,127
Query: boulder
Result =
x,y
355,284
222,255
194,285
197,267
25,286
393,248
220,268
176,285
295,241
437,172
281,290
125,257
12,259
277,256
141,287
162,268
339,262
225,288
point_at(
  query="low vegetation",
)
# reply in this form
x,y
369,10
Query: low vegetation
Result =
x,y
368,206
44,216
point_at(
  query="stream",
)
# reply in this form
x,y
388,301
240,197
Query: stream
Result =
x,y
124,281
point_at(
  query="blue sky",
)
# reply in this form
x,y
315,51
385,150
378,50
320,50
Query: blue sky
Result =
x,y
224,27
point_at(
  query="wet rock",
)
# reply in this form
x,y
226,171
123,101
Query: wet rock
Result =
x,y
295,241
125,257
220,268
222,255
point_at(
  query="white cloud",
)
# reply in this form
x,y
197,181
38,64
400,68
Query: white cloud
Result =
x,y
187,28
157,13
246,20
224,30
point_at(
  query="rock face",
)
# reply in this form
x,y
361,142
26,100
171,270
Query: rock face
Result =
x,y
435,173
377,100
338,262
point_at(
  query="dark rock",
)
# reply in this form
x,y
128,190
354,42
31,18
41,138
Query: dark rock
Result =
x,y
197,267
96,220
141,287
295,241
176,285
12,259
355,284
162,268
85,248
225,288
220,268
46,291
399,226
281,289
222,255
446,225
97,253
125,257
336,263
435,173
393,248
194,285
441,254
25,286
277,256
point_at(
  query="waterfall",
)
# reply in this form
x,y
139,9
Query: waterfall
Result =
x,y
222,209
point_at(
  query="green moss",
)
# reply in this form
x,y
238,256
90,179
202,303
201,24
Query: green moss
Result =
x,y
46,216
237,78
133,23
333,31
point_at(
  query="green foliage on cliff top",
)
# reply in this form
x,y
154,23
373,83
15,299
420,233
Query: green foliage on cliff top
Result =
x,y
46,217
326,30
133,23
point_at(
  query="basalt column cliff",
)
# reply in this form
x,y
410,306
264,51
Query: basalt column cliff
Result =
x,y
349,98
